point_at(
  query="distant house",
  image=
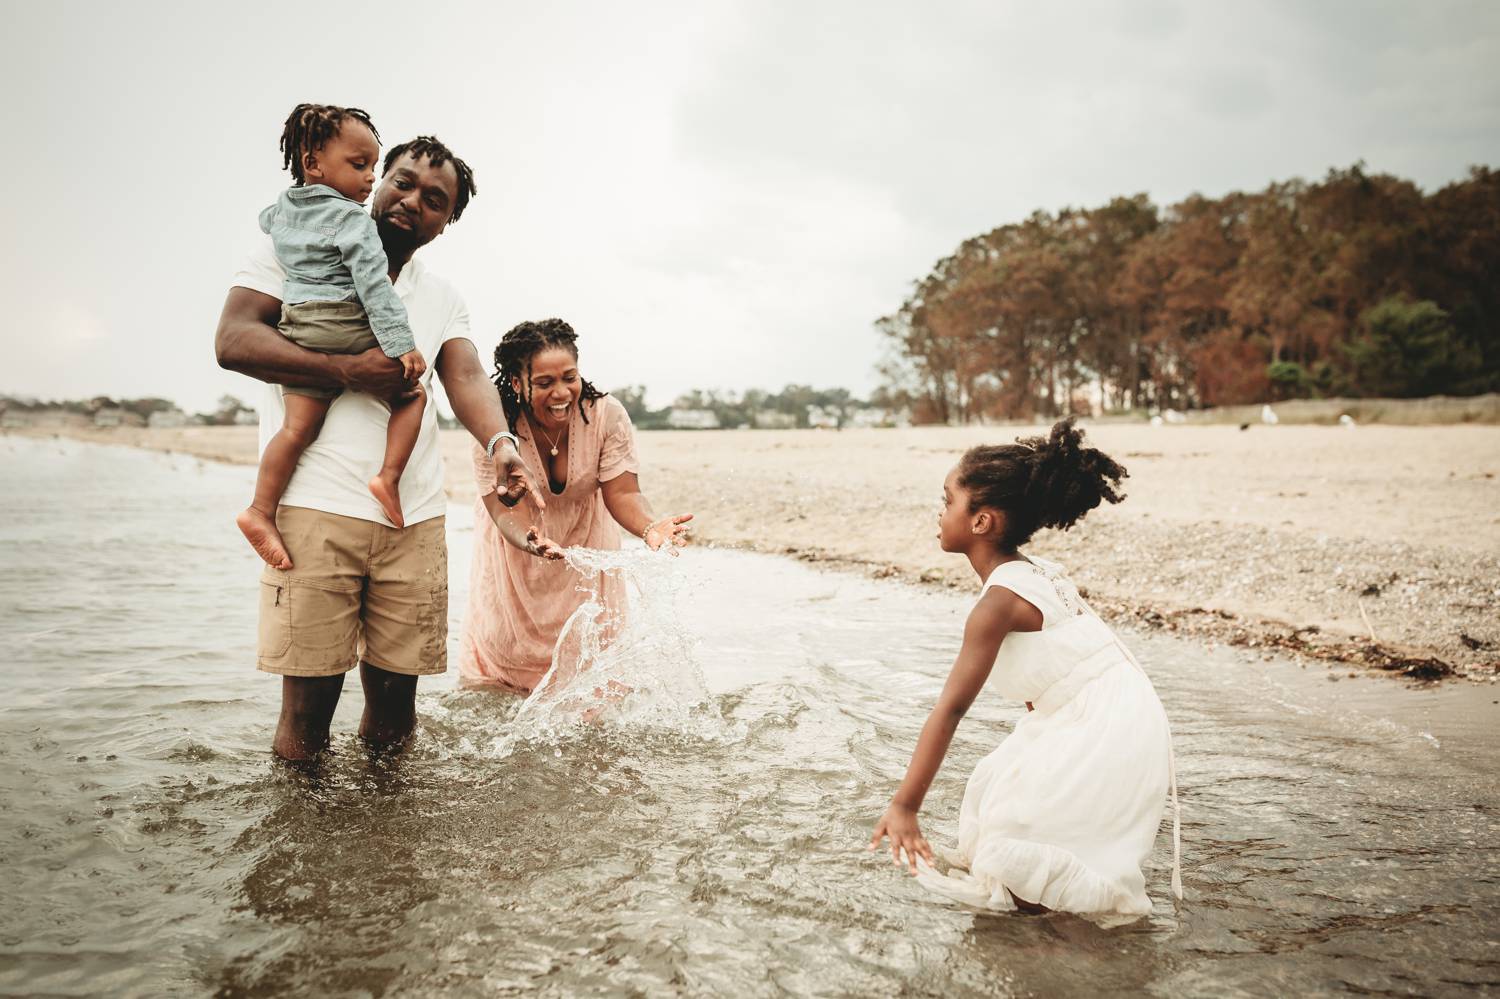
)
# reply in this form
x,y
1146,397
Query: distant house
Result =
x,y
826,418
109,416
692,419
773,419
874,416
167,418
13,419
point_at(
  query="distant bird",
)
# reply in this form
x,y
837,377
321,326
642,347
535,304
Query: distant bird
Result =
x,y
1244,426
1268,416
1345,420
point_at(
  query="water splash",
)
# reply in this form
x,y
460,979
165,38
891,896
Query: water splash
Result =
x,y
624,660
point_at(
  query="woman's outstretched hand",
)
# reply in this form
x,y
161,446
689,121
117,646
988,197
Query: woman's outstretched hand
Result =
x,y
900,824
667,529
542,547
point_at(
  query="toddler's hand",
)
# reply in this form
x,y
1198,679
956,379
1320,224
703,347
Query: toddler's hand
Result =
x,y
413,365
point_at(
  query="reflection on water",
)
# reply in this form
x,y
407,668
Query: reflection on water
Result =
x,y
1336,839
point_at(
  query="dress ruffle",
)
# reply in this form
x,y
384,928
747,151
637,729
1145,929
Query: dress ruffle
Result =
x,y
1039,873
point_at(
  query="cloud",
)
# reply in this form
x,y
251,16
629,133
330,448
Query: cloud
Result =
x,y
717,195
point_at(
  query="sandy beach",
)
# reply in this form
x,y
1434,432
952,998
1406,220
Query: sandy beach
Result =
x,y
1377,546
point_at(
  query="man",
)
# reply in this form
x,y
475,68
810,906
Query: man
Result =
x,y
359,590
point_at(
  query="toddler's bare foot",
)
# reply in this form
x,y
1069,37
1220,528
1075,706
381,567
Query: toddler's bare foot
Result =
x,y
263,536
388,492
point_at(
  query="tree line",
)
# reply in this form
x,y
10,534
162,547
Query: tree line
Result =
x,y
1358,285
740,409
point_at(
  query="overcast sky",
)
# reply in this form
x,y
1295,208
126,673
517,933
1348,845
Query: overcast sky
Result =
x,y
715,194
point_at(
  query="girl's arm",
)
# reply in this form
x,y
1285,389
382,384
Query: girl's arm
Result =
x,y
998,612
526,539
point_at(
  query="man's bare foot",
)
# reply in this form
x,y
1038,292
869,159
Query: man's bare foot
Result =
x,y
388,492
263,536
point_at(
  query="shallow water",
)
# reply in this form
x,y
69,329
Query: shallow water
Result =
x,y
1337,836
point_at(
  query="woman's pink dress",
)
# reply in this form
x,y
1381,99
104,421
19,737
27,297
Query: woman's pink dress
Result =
x,y
518,603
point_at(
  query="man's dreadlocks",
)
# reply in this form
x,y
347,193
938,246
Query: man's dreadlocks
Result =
x,y
513,360
437,154
310,127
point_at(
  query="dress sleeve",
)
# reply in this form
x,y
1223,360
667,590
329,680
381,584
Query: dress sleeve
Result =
x,y
484,471
1030,586
617,453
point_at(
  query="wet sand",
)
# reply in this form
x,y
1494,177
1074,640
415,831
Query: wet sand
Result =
x,y
1377,546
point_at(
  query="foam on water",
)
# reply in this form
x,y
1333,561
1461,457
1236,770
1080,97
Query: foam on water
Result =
x,y
626,663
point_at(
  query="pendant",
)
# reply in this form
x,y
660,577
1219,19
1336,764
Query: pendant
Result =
x,y
554,452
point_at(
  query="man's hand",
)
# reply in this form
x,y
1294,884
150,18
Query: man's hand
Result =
x,y
374,373
512,481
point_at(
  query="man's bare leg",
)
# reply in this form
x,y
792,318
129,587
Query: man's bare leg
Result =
x,y
307,704
390,706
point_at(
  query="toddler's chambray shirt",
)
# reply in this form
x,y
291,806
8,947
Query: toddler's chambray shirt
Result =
x,y
331,252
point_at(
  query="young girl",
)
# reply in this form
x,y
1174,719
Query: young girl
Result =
x,y
337,299
1065,811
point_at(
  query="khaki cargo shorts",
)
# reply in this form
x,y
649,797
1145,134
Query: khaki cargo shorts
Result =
x,y
328,328
357,590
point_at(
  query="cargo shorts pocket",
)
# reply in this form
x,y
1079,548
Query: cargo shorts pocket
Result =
x,y
274,635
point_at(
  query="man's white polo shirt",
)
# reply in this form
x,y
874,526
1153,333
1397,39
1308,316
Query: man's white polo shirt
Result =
x,y
333,472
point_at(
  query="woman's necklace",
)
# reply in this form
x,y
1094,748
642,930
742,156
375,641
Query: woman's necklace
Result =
x,y
550,442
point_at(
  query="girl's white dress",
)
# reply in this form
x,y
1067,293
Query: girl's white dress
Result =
x,y
1066,810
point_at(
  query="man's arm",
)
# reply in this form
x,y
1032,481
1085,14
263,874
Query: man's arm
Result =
x,y
476,405
247,342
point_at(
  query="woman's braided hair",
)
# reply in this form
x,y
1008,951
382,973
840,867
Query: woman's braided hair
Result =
x,y
513,360
310,127
1040,482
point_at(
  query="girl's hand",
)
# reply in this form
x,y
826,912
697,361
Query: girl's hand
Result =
x,y
413,365
900,824
667,529
542,547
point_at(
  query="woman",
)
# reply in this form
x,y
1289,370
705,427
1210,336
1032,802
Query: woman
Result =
x,y
579,442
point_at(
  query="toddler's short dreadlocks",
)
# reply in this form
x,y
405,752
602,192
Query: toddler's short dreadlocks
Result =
x,y
310,127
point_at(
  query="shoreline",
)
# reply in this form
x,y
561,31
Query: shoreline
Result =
x,y
1376,549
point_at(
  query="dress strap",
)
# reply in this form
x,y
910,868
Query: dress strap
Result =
x,y
1031,586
